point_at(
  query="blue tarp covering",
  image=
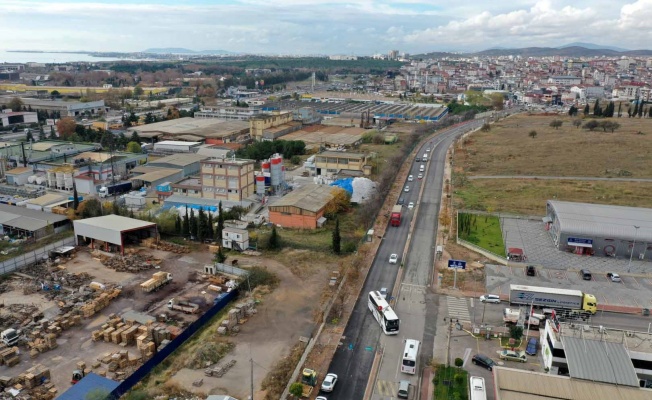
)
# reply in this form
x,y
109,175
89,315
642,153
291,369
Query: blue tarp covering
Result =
x,y
89,383
346,184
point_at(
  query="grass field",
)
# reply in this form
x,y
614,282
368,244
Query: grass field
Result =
x,y
483,231
507,149
450,383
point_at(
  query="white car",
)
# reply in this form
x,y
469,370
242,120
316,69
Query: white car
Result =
x,y
410,178
613,276
490,298
410,205
407,189
420,176
320,398
383,292
329,383
393,258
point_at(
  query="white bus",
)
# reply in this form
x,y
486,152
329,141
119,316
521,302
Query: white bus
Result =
x,y
477,389
409,362
383,313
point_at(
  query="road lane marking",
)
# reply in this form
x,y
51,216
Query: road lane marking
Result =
x,y
386,388
458,308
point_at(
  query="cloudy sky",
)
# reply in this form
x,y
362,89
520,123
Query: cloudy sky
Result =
x,y
360,27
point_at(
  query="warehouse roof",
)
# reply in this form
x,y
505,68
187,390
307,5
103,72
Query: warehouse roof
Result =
x,y
24,218
310,197
153,176
176,143
516,384
115,222
88,384
599,361
180,160
614,222
46,199
208,127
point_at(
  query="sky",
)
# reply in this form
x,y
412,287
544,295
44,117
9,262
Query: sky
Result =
x,y
304,27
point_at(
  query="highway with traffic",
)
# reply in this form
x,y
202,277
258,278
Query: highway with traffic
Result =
x,y
415,305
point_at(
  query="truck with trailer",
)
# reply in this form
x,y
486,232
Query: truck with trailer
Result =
x,y
183,306
157,280
563,301
395,217
115,189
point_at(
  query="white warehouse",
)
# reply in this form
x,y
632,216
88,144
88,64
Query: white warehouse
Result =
x,y
176,146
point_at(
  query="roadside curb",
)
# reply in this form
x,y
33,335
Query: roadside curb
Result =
x,y
426,384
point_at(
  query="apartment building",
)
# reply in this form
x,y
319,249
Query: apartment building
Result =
x,y
227,179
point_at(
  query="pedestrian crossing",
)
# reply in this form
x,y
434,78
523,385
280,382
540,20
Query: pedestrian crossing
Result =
x,y
386,388
458,308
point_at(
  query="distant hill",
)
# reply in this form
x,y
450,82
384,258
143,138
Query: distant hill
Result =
x,y
593,46
181,50
565,51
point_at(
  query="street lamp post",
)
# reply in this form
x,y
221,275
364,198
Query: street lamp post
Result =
x,y
631,253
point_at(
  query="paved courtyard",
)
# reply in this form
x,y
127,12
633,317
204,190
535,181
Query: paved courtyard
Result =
x,y
561,269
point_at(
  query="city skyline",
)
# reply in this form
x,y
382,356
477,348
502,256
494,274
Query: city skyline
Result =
x,y
320,26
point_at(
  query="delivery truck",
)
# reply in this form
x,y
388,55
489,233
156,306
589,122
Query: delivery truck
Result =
x,y
184,306
116,189
553,298
395,217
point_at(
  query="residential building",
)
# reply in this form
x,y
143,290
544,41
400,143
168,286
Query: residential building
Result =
x,y
565,80
235,238
227,179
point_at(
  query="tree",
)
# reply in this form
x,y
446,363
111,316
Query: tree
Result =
x,y
15,104
597,111
572,111
577,122
620,106
516,332
210,230
29,137
41,133
533,134
75,197
220,257
337,238
485,127
55,93
202,223
274,240
556,123
186,224
177,224
138,91
193,225
53,135
296,389
149,118
90,208
497,100
66,127
339,203
134,147
135,138
220,223
591,125
586,109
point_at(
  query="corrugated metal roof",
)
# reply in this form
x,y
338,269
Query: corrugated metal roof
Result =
x,y
180,160
513,384
114,222
310,197
8,211
89,383
153,176
46,199
599,361
613,222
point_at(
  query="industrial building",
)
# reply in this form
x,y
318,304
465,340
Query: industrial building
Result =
x,y
23,222
112,232
302,208
19,117
271,178
64,108
226,113
227,178
272,126
338,162
209,130
176,146
189,163
600,230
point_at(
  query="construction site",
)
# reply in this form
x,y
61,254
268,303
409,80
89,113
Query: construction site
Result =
x,y
84,310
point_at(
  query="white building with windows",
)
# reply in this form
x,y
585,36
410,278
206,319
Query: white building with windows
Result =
x,y
235,238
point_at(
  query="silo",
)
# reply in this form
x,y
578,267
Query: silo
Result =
x,y
276,170
52,181
67,180
260,184
31,179
59,179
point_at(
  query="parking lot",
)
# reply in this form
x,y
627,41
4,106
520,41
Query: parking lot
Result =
x,y
559,269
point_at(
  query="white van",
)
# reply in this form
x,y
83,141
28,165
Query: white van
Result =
x,y
422,168
425,157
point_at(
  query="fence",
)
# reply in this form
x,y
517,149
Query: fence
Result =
x,y
230,269
31,257
158,358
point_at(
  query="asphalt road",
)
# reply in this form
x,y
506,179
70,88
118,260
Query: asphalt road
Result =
x,y
362,336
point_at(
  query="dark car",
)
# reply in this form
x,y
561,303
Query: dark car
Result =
x,y
483,361
418,159
532,346
401,201
530,270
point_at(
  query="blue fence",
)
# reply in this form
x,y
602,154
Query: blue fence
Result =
x,y
158,358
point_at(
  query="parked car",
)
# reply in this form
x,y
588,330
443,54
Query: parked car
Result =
x,y
410,178
490,298
483,361
532,346
407,189
410,205
530,270
613,276
393,258
511,355
329,382
383,292
586,274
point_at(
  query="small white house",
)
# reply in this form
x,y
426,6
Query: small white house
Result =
x,y
235,238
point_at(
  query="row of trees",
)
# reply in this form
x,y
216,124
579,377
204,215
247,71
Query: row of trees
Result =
x,y
263,150
609,111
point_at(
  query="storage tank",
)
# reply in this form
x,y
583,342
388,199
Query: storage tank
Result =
x,y
265,167
260,184
59,180
31,179
276,169
67,180
40,180
52,181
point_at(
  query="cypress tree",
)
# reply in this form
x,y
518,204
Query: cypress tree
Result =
x,y
337,238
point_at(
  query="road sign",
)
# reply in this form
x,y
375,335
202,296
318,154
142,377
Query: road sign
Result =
x,y
457,264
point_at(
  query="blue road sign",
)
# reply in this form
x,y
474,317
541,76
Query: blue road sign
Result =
x,y
459,264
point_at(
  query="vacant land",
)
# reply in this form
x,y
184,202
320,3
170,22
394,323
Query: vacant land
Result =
x,y
483,231
507,149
